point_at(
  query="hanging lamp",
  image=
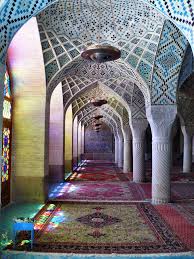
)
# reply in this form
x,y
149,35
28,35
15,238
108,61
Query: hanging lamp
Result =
x,y
100,53
98,102
98,99
97,124
97,117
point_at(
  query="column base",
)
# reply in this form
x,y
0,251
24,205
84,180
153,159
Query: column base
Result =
x,y
186,172
157,201
126,170
139,181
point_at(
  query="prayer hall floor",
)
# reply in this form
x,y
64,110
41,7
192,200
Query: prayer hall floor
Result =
x,y
98,210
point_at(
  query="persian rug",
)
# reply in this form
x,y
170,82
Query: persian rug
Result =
x,y
182,191
97,191
104,228
182,177
99,176
179,191
186,209
146,190
178,223
95,169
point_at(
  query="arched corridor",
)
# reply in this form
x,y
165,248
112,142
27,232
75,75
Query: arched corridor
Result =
x,y
97,124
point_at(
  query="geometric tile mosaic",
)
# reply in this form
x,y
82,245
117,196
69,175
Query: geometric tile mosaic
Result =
x,y
138,104
65,28
88,112
14,13
69,30
81,104
87,119
168,62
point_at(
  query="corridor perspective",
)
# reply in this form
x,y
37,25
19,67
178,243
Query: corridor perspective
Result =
x,y
97,125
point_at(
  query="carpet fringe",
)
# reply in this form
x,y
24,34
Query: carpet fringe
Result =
x,y
69,255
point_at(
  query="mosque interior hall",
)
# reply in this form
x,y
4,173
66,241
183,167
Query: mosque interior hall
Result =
x,y
97,126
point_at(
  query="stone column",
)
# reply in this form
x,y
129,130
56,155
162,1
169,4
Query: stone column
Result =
x,y
75,142
161,118
120,152
116,149
173,134
138,131
187,153
127,167
193,149
82,141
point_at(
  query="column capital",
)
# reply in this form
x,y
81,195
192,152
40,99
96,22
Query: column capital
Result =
x,y
161,119
187,130
138,127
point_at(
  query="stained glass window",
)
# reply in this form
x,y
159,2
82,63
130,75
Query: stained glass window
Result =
x,y
6,145
7,91
5,155
7,109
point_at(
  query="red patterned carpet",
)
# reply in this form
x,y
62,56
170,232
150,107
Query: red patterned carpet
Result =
x,y
178,222
97,181
186,209
97,191
105,228
183,191
99,210
179,191
176,174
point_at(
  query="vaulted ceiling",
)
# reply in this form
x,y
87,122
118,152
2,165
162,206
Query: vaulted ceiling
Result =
x,y
155,55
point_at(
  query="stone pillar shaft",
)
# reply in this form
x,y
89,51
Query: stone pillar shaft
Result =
x,y
127,156
161,165
187,153
138,161
120,152
116,150
161,119
138,131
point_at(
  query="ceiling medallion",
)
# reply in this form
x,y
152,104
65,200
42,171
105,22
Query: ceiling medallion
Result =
x,y
101,53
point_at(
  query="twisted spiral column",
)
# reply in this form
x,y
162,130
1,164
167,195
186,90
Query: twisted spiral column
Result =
x,y
138,132
187,152
161,119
